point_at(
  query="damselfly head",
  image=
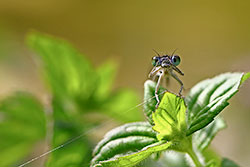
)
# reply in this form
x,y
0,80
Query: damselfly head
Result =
x,y
166,60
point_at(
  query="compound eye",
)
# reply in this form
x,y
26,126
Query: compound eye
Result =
x,y
175,60
154,61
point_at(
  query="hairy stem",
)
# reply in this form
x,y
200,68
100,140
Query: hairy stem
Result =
x,y
194,157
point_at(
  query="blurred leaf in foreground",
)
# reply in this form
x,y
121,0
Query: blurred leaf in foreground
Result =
x,y
22,125
66,127
73,80
77,90
69,74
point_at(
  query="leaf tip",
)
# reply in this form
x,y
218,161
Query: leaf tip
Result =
x,y
245,77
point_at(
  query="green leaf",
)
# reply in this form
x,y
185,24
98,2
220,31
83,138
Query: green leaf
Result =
x,y
209,97
228,163
77,85
134,158
68,73
150,100
106,74
22,125
121,105
124,140
245,77
204,136
67,127
170,117
75,154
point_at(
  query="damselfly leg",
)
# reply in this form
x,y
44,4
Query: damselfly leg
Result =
x,y
164,66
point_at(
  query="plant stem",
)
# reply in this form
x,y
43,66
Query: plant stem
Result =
x,y
194,157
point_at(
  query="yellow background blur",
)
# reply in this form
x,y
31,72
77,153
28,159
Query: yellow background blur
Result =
x,y
212,37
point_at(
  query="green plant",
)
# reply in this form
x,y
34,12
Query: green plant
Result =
x,y
184,125
80,98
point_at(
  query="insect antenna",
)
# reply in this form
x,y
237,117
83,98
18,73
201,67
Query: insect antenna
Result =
x,y
174,51
156,52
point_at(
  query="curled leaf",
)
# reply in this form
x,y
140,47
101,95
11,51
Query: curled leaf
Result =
x,y
209,97
134,158
124,140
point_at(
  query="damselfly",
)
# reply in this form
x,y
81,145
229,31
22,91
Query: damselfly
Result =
x,y
165,65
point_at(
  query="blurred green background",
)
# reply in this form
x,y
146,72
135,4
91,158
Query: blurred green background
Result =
x,y
212,37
